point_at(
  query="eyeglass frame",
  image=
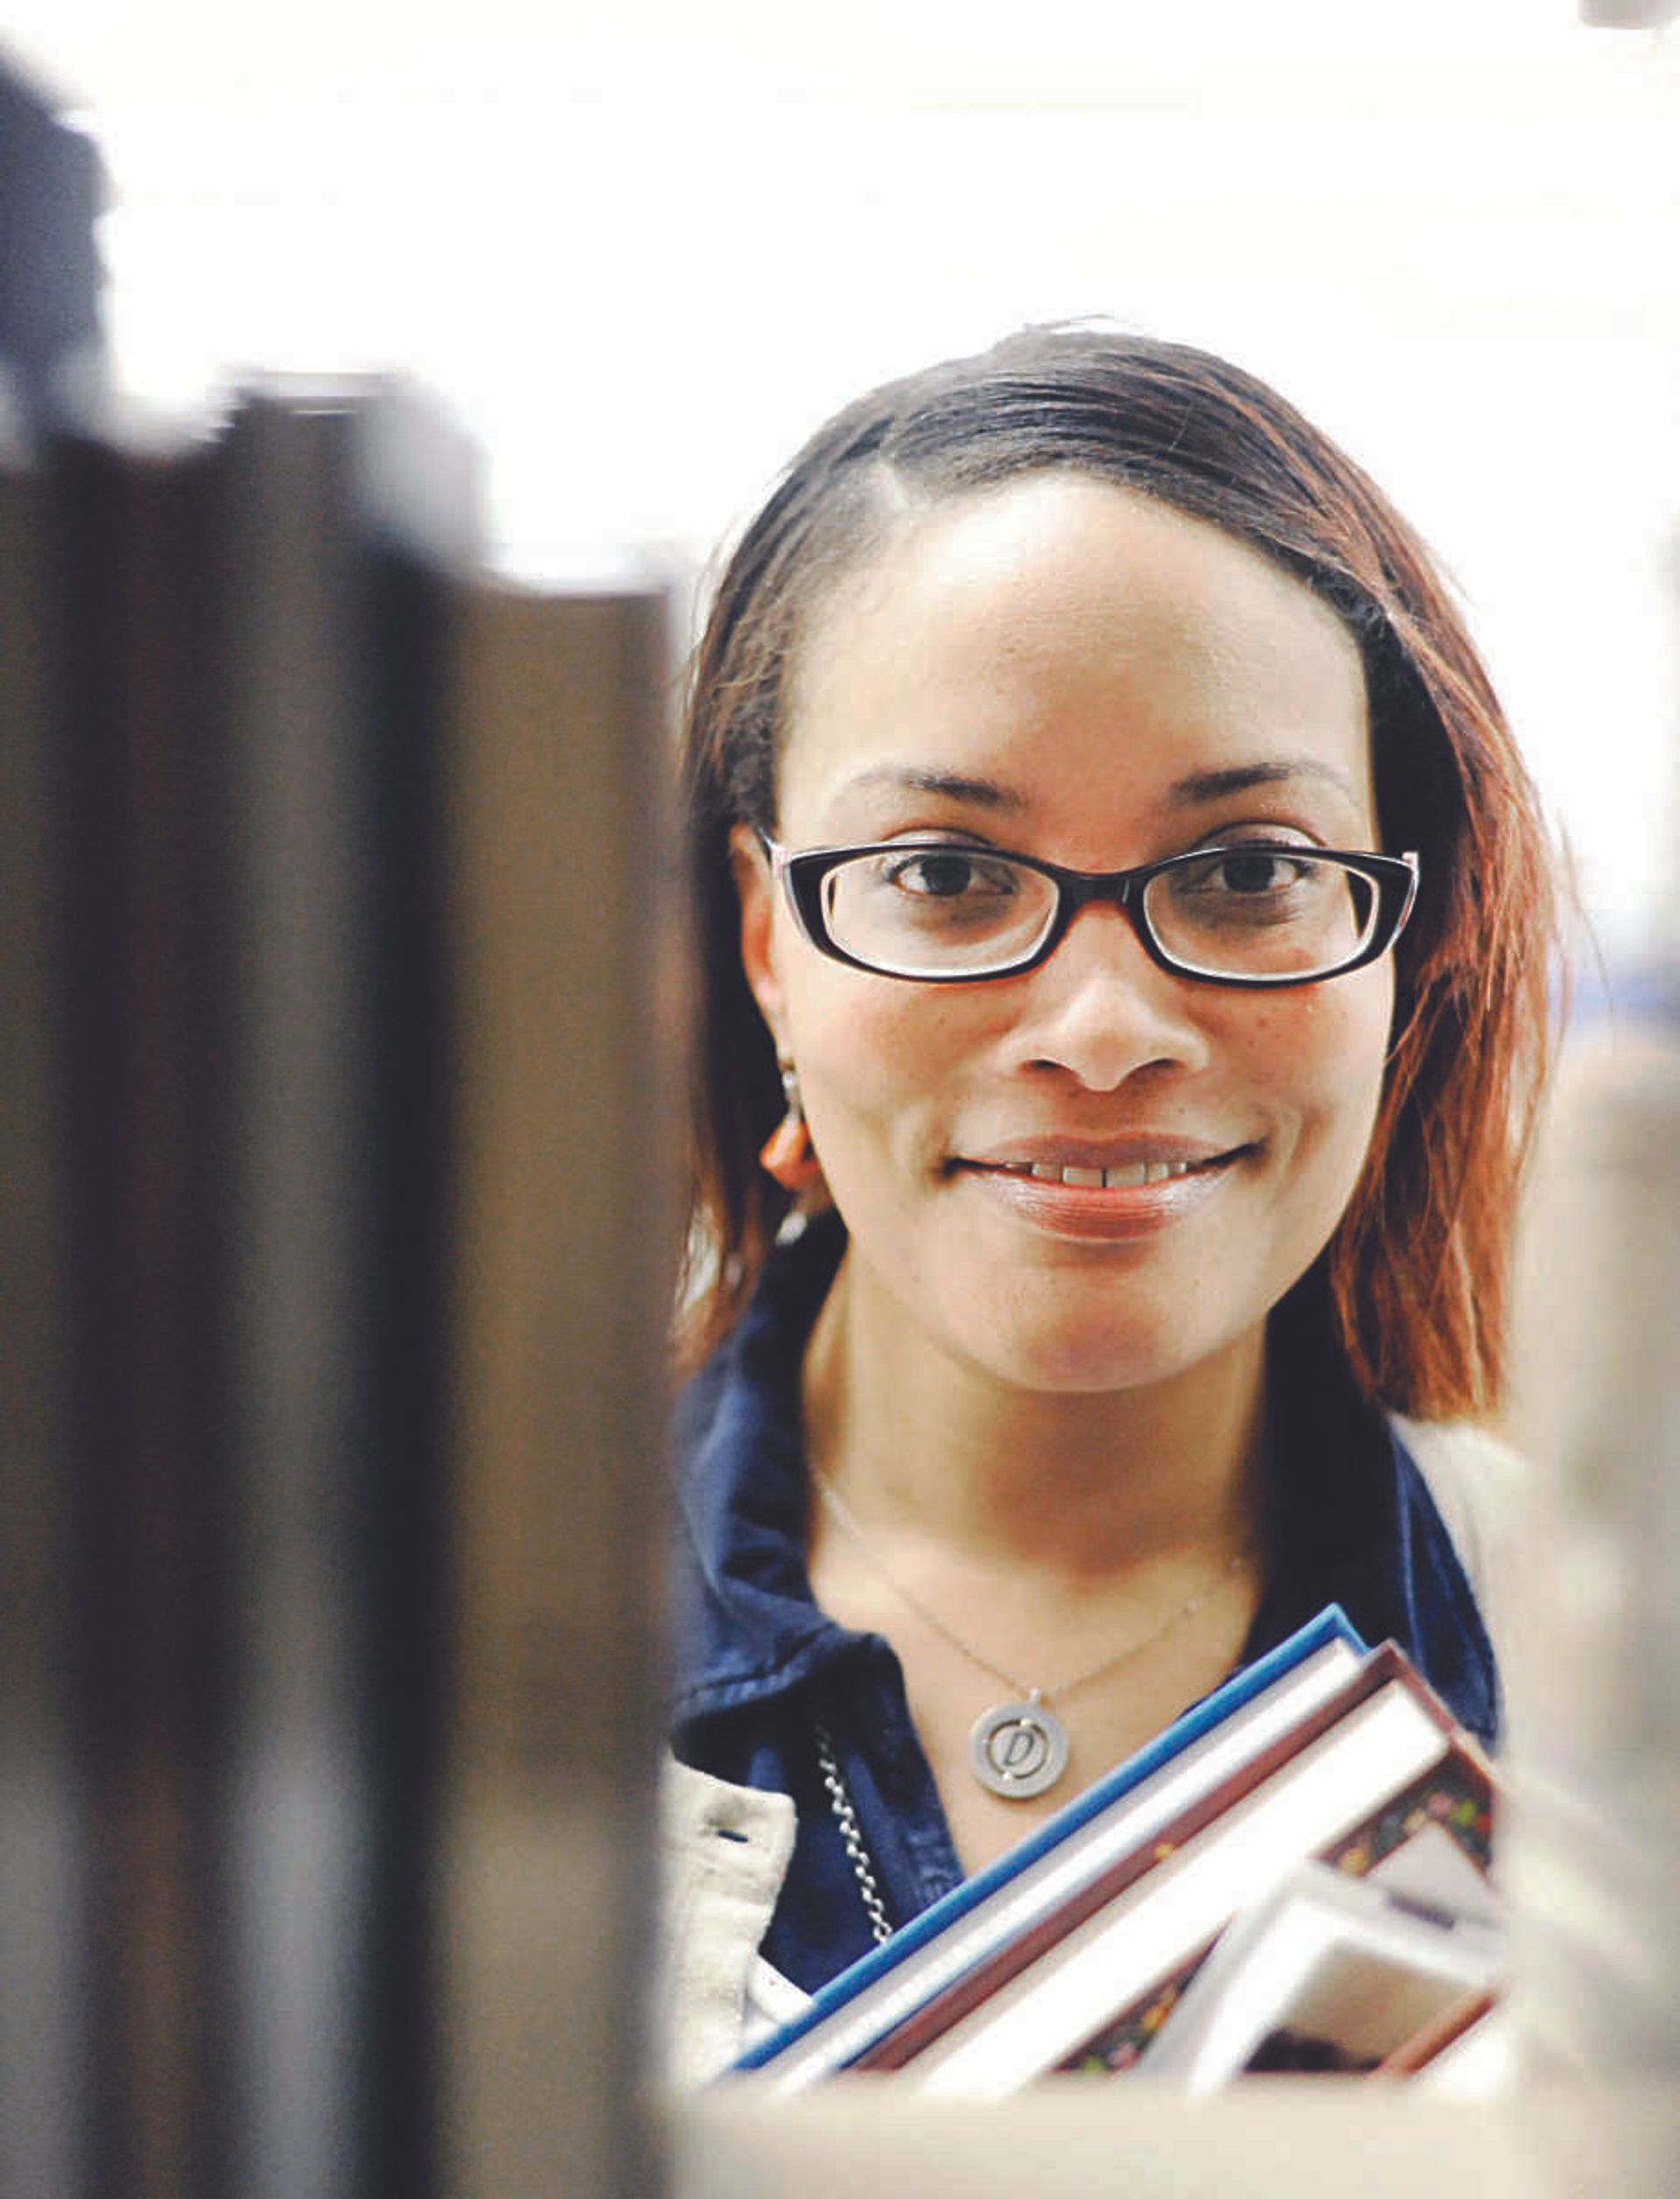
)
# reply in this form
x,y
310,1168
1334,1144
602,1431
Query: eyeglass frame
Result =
x,y
801,874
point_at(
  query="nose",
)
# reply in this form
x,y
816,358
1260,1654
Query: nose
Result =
x,y
1102,1010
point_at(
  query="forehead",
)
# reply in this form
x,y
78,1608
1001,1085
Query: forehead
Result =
x,y
1069,639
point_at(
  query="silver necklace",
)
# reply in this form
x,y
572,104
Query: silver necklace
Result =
x,y
1017,1748
851,1835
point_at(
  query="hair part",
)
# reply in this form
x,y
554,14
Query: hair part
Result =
x,y
1419,1267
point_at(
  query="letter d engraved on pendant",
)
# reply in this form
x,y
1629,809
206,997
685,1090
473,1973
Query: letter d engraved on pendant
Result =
x,y
1018,1750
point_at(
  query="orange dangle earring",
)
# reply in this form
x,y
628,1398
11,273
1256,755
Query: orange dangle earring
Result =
x,y
789,1156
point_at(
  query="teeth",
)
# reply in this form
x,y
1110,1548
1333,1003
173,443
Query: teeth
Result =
x,y
1127,1178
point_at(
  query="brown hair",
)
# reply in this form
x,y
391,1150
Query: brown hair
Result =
x,y
1418,1267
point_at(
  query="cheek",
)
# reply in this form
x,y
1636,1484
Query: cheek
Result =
x,y
1320,1056
865,1042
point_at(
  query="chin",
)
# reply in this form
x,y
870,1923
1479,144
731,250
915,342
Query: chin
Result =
x,y
1094,1357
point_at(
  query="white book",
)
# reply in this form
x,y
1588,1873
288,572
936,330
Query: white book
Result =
x,y
1347,1963
1483,2062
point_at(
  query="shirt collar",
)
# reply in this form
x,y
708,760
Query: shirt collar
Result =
x,y
1355,1514
748,1622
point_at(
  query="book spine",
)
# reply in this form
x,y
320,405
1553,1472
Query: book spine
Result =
x,y
129,634
45,1828
562,1273
334,1213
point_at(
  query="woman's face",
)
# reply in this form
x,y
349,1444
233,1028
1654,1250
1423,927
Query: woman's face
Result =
x,y
1065,669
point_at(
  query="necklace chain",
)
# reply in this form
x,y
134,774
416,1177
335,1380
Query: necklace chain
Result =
x,y
852,1836
843,1518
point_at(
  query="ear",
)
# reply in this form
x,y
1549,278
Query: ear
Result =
x,y
755,887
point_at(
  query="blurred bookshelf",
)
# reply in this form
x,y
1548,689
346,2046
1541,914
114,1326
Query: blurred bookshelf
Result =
x,y
334,1082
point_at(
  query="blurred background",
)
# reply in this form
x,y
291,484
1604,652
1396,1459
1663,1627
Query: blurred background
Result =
x,y
642,251
328,742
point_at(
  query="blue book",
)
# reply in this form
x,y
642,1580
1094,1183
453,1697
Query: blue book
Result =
x,y
1195,1754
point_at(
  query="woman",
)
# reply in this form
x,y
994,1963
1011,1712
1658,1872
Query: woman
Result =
x,y
1124,927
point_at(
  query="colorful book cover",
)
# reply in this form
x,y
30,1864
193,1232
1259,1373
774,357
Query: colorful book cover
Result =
x,y
1455,1794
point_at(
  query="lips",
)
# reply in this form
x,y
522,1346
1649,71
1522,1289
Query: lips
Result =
x,y
1127,1177
1111,1192
1112,1165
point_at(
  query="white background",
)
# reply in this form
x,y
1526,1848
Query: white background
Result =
x,y
641,253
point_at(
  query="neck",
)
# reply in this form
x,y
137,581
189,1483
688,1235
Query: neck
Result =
x,y
1076,1486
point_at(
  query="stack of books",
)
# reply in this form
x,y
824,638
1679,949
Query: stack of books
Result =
x,y
333,1083
1293,1875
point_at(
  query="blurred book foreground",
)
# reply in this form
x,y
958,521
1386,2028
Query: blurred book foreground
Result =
x,y
331,1083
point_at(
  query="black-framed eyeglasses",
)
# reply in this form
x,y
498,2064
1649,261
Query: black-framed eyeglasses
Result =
x,y
1251,912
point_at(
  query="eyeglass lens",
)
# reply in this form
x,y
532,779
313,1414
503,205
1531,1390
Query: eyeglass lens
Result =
x,y
1238,912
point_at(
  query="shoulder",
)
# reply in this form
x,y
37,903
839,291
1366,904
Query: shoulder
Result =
x,y
725,1852
1477,1479
703,1818
1478,1485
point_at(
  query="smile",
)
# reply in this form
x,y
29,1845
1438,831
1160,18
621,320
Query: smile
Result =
x,y
1125,1178
1107,1201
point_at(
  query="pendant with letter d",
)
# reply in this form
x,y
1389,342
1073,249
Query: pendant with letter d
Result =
x,y
1019,1749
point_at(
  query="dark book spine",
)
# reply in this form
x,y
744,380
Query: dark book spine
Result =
x,y
128,643
333,1211
44,1816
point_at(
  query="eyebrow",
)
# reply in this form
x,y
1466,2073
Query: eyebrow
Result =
x,y
986,793
1212,785
1184,794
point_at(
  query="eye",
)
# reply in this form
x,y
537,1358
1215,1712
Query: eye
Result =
x,y
1242,872
948,874
1246,871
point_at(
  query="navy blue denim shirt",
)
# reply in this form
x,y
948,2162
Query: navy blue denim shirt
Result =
x,y
758,1665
